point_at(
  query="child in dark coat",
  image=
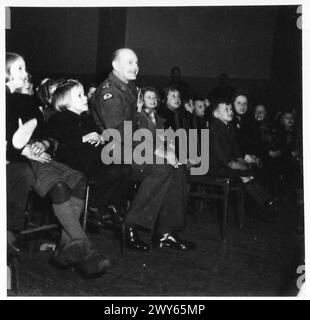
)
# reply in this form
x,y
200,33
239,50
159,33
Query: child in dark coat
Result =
x,y
247,131
79,146
227,160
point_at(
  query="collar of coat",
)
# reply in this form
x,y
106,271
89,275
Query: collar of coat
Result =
x,y
119,83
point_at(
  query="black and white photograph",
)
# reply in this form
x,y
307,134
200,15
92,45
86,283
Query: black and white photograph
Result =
x,y
154,150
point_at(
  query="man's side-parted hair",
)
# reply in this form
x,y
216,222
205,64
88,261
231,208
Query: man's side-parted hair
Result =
x,y
62,96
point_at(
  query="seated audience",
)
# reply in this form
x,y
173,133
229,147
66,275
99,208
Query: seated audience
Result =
x,y
66,187
226,159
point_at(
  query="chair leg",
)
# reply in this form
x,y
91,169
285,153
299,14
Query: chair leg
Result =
x,y
225,211
13,274
123,237
198,205
86,209
9,278
16,276
240,195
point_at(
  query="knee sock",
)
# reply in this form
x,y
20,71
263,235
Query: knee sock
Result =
x,y
78,206
72,228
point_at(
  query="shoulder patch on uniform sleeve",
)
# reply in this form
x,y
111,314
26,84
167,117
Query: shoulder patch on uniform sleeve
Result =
x,y
106,85
107,96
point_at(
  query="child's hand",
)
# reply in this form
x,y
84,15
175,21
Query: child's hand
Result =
x,y
92,138
170,156
37,148
139,101
172,159
43,157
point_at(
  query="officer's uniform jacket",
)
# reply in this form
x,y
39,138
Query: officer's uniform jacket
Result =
x,y
113,103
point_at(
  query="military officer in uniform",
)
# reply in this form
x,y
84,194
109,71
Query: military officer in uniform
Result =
x,y
159,204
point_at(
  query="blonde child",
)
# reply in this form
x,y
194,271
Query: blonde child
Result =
x,y
79,146
66,187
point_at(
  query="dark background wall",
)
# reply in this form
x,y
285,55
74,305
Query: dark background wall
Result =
x,y
204,41
259,47
55,40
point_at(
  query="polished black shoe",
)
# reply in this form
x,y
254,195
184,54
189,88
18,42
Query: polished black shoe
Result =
x,y
134,242
168,240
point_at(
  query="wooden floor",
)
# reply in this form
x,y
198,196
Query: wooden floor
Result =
x,y
259,260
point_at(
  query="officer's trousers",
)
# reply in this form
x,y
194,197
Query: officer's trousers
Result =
x,y
160,202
